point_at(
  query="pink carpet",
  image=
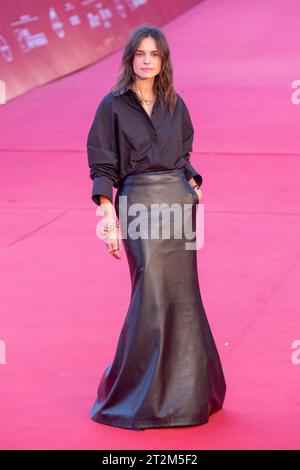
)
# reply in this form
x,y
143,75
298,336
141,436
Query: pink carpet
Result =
x,y
61,312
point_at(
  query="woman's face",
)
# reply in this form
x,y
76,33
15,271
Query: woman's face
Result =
x,y
147,60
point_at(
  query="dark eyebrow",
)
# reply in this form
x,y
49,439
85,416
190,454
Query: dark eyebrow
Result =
x,y
140,50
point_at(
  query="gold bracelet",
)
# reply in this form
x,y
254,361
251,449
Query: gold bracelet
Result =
x,y
108,228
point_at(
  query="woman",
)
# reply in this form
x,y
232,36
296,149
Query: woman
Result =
x,y
166,370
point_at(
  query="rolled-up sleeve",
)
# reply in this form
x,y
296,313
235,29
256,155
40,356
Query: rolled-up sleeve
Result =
x,y
102,151
187,146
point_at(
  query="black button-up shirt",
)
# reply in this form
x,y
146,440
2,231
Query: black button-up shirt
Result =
x,y
124,139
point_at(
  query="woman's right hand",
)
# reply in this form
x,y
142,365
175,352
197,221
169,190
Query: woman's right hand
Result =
x,y
113,242
112,239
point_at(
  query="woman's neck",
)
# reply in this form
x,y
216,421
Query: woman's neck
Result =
x,y
144,88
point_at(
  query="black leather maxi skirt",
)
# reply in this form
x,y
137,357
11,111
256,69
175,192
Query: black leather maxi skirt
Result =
x,y
166,370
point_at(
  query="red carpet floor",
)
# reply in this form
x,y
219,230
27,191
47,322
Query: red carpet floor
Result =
x,y
64,299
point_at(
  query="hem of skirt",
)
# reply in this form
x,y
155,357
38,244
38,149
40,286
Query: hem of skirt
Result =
x,y
149,423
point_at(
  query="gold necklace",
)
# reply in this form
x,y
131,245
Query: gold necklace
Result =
x,y
148,102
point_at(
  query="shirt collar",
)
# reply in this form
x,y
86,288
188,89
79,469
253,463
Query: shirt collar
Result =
x,y
126,90
131,97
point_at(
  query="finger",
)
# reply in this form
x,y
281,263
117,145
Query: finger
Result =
x,y
113,243
119,241
200,195
109,245
115,248
117,254
110,249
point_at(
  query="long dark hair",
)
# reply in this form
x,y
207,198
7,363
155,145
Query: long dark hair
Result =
x,y
163,82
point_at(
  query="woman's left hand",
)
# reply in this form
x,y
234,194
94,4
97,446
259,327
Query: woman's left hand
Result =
x,y
199,193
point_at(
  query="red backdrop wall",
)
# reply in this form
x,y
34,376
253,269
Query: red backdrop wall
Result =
x,y
42,40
